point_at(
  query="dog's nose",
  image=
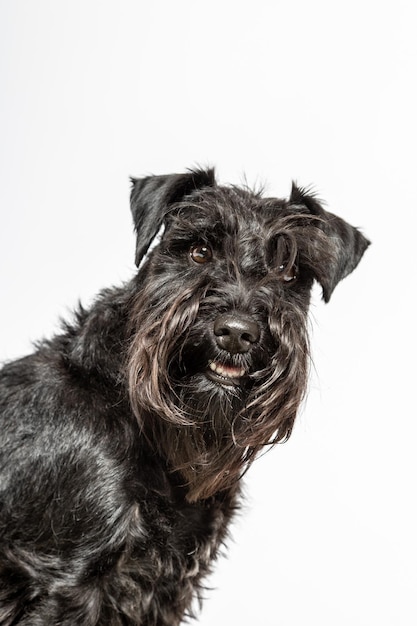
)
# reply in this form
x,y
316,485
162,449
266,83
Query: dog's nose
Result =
x,y
235,333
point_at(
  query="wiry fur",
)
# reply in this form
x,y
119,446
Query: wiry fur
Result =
x,y
121,451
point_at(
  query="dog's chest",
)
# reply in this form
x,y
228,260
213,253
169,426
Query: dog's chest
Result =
x,y
166,567
189,533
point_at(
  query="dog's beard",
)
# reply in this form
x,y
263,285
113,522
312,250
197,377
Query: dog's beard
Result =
x,y
210,428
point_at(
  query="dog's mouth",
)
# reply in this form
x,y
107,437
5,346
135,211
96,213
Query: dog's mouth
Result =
x,y
225,374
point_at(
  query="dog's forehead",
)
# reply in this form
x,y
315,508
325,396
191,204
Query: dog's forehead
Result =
x,y
234,210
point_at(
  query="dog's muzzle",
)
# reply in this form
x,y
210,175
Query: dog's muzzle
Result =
x,y
234,334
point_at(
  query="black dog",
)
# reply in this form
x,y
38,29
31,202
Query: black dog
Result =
x,y
123,439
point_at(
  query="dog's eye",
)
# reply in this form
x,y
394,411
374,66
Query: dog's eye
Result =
x,y
201,253
288,274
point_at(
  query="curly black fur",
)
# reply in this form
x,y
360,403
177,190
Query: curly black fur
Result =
x,y
123,439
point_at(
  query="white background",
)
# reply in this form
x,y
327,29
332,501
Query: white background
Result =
x,y
324,92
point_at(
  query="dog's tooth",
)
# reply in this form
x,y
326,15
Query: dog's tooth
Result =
x,y
214,367
226,371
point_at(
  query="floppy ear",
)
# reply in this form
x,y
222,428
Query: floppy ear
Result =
x,y
345,244
151,197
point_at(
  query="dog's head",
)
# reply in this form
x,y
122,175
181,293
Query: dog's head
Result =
x,y
218,361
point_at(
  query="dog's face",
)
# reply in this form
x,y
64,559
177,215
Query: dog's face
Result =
x,y
219,352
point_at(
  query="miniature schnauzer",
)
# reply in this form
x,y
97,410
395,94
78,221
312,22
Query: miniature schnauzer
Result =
x,y
124,438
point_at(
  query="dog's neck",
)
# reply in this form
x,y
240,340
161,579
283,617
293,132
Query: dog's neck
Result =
x,y
95,343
